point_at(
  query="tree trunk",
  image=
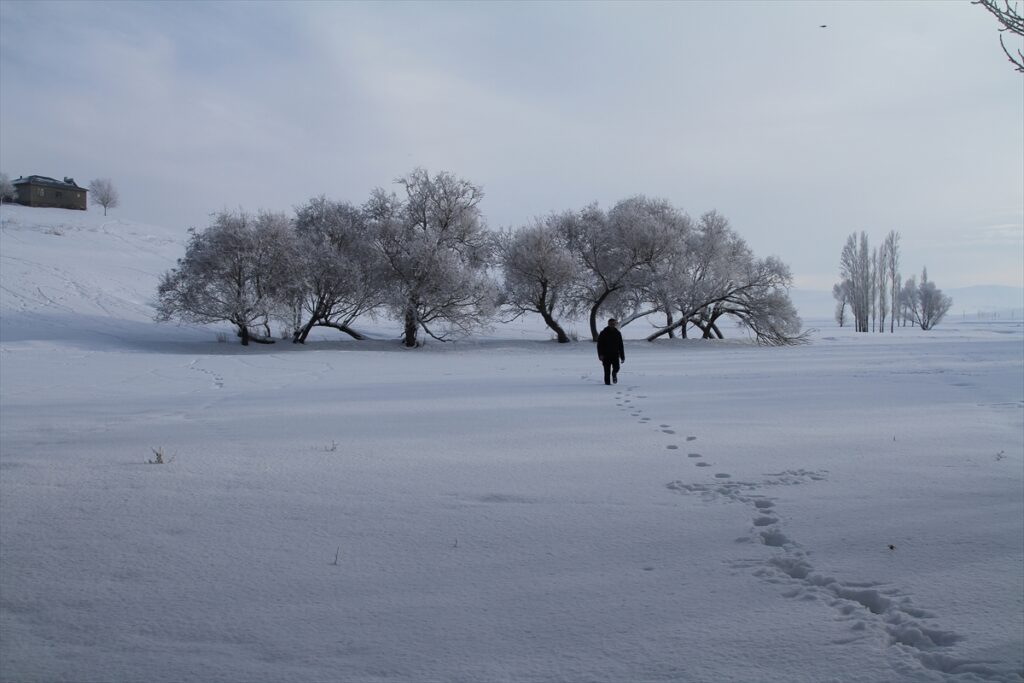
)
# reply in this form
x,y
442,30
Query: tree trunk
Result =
x,y
346,329
593,313
668,322
665,330
300,334
411,327
554,327
243,332
713,327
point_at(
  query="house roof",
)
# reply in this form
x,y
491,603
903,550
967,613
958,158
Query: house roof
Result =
x,y
45,181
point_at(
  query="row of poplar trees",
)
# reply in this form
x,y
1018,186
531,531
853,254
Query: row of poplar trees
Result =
x,y
873,290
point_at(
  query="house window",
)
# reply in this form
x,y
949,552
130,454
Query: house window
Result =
x,y
42,192
59,195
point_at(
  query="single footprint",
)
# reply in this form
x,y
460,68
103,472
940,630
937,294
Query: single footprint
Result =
x,y
722,475
663,426
671,446
693,455
765,521
645,419
762,504
691,438
669,431
703,464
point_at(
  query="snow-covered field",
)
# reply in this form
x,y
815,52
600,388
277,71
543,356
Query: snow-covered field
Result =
x,y
848,510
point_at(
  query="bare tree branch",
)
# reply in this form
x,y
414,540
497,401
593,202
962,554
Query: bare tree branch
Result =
x,y
1011,20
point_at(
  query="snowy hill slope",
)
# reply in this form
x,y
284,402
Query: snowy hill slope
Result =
x,y
59,261
78,275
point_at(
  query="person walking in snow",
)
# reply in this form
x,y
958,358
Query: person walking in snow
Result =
x,y
610,351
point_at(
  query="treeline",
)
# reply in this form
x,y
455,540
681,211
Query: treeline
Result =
x,y
424,257
873,289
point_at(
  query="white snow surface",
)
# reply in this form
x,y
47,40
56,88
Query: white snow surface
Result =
x,y
488,510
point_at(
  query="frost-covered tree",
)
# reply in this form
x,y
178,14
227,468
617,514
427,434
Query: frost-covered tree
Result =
x,y
892,270
856,273
237,270
539,272
652,288
719,276
103,192
930,304
7,191
763,305
436,252
613,250
841,293
337,275
869,283
881,287
908,300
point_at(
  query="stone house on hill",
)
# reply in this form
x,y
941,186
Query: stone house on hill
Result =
x,y
39,190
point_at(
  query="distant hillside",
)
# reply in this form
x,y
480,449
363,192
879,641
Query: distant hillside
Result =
x,y
66,261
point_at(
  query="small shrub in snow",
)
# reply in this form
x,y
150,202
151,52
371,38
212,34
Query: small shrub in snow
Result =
x,y
159,457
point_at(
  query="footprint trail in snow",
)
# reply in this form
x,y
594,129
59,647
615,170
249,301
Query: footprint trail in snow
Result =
x,y
869,607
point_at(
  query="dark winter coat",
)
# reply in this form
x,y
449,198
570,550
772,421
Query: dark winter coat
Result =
x,y
609,344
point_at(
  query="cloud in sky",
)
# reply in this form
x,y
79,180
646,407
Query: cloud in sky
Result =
x,y
896,116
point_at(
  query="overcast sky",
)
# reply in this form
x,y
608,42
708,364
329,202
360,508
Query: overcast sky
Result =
x,y
902,116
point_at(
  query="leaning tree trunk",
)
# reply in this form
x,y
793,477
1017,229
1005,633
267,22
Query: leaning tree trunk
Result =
x,y
545,312
671,328
665,330
552,324
300,334
563,338
346,329
713,327
593,314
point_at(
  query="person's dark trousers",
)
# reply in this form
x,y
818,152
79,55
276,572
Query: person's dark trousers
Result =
x,y
611,369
